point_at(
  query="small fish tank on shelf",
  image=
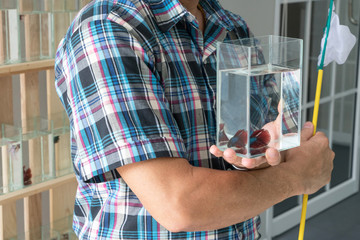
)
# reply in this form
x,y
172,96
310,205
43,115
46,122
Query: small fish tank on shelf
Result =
x,y
258,103
12,176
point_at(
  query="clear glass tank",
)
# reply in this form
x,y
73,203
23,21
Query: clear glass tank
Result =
x,y
259,94
11,175
38,151
61,144
31,30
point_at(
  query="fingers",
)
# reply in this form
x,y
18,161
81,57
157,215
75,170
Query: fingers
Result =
x,y
214,150
231,157
273,156
307,131
251,163
321,139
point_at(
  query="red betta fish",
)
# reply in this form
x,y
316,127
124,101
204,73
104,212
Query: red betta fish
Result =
x,y
239,141
223,139
259,140
27,176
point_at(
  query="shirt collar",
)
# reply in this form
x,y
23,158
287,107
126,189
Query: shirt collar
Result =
x,y
168,13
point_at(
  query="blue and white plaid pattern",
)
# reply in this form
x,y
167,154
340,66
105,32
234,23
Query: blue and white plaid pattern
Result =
x,y
138,81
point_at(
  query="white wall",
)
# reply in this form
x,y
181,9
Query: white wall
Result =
x,y
259,14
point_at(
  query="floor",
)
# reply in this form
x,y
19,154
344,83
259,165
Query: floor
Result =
x,y
341,222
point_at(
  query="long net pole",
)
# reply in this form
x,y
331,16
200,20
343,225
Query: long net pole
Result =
x,y
315,115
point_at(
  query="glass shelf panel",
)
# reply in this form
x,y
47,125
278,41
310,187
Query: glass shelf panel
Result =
x,y
8,4
64,227
10,39
61,123
25,5
27,28
36,127
59,5
2,38
47,45
71,5
36,31
41,6
61,22
59,230
62,156
43,233
26,37
10,159
84,3
38,150
47,5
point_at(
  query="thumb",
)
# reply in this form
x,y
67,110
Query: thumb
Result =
x,y
307,131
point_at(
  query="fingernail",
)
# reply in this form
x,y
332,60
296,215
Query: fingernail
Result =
x,y
308,125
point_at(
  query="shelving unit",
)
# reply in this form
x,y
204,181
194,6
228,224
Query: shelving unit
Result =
x,y
35,131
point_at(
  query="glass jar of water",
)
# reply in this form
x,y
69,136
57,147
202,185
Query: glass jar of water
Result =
x,y
259,94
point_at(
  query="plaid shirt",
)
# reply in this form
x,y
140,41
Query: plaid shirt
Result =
x,y
138,81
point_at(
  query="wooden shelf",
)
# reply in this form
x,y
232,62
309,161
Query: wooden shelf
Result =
x,y
37,188
17,68
29,38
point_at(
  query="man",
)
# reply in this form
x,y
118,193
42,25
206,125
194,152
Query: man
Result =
x,y
138,81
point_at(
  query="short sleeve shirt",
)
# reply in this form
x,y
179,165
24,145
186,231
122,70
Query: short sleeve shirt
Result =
x,y
137,79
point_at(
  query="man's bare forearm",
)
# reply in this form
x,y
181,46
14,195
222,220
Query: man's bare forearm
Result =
x,y
186,198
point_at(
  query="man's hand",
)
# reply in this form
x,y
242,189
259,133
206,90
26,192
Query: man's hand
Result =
x,y
312,162
272,156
